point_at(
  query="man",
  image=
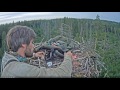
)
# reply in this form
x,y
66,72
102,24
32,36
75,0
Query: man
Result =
x,y
20,45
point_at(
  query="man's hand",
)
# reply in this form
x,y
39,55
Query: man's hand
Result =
x,y
39,54
69,53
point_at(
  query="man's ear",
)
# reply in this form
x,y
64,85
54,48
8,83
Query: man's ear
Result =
x,y
23,45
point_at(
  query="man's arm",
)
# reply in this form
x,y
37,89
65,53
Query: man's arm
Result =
x,y
64,70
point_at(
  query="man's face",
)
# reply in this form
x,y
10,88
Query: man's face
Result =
x,y
29,49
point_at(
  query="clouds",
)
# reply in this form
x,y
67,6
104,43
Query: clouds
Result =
x,y
23,14
7,17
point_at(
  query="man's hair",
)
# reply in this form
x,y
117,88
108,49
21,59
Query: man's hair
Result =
x,y
19,35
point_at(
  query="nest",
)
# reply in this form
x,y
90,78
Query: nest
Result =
x,y
87,62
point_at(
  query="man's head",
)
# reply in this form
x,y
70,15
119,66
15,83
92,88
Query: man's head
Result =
x,y
21,38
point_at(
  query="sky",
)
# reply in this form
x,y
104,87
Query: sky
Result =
x,y
8,17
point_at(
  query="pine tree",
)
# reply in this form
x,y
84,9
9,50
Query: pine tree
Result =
x,y
97,17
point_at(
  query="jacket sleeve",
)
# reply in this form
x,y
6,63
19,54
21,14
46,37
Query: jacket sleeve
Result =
x,y
19,69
